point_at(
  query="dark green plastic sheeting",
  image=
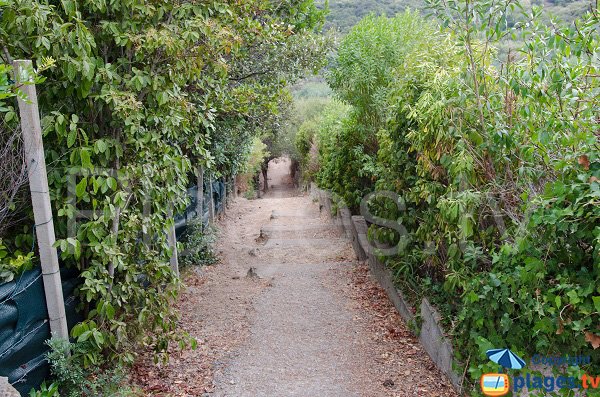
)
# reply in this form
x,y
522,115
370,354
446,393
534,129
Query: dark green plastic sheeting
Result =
x,y
181,220
24,328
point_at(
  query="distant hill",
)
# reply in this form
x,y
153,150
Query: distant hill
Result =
x,y
346,13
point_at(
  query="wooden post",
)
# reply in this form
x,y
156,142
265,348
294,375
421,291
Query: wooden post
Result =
x,y
200,193
172,239
211,202
225,195
234,187
40,199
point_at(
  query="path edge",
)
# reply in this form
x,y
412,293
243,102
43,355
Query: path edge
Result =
x,y
430,333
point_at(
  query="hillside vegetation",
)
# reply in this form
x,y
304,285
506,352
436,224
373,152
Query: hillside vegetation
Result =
x,y
344,14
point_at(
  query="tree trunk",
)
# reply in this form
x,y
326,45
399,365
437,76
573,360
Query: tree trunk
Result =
x,y
256,179
234,189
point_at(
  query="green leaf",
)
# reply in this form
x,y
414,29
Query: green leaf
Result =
x,y
112,183
110,311
98,337
78,329
71,137
81,188
9,116
466,226
85,159
573,297
84,336
100,146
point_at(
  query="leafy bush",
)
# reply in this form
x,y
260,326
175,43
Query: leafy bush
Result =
x,y
14,263
198,243
45,391
497,166
367,65
311,115
73,380
255,158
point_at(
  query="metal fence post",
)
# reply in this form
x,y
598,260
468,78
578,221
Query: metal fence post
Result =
x,y
40,199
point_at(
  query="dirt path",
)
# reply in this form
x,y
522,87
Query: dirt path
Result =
x,y
307,320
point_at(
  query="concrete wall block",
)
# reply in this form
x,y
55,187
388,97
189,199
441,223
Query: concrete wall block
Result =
x,y
360,224
365,245
436,344
313,191
358,228
346,216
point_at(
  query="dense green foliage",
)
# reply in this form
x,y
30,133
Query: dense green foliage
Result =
x,y
74,380
198,241
248,179
322,118
141,93
498,168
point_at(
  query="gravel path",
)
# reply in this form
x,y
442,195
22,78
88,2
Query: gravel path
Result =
x,y
289,312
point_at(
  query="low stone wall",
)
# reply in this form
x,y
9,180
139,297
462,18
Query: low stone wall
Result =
x,y
436,344
431,333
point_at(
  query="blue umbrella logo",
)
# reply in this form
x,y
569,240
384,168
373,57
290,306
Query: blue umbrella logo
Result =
x,y
505,358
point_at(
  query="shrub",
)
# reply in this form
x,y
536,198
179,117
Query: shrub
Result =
x,y
73,380
198,243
